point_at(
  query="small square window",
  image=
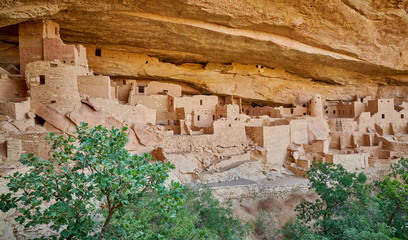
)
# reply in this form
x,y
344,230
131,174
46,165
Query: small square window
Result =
x,y
141,89
98,52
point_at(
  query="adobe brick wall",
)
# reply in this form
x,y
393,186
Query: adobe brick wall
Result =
x,y
60,89
298,131
159,87
230,131
15,110
158,102
125,113
350,162
40,41
30,42
276,141
316,106
12,88
95,86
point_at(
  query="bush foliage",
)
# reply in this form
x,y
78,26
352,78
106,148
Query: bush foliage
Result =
x,y
93,188
349,208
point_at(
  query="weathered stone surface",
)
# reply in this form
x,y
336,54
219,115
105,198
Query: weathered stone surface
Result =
x,y
6,126
346,47
6,231
87,115
56,119
146,137
21,125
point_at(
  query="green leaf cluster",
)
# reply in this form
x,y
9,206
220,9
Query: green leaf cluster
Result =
x,y
199,217
349,208
85,174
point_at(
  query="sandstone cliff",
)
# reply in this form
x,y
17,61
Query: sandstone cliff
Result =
x,y
274,51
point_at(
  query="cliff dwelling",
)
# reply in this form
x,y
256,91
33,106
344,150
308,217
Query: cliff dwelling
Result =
x,y
227,102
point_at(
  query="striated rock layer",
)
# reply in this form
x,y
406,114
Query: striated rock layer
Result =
x,y
270,51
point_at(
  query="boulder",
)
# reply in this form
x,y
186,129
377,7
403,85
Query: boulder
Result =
x,y
56,119
7,127
146,137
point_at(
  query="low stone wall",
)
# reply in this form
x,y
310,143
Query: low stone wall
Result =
x,y
258,191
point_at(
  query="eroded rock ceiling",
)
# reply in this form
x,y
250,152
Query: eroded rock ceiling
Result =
x,y
348,46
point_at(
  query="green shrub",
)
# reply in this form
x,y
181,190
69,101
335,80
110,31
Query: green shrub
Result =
x,y
347,207
199,217
85,173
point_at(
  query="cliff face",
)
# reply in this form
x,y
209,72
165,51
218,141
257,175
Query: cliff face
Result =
x,y
276,51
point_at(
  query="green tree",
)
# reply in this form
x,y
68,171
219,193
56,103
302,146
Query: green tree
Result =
x,y
199,217
393,193
346,208
83,175
335,186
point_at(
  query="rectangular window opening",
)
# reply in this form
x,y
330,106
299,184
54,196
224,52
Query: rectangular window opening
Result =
x,y
98,52
141,89
42,79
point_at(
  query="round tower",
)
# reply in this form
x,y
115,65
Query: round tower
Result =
x,y
316,106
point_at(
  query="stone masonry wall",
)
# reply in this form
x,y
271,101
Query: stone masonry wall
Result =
x,y
54,84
